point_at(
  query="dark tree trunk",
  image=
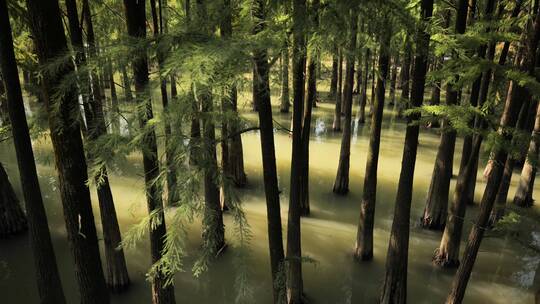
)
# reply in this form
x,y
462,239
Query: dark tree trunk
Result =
x,y
405,81
523,197
435,211
127,84
271,190
341,184
135,12
334,76
236,155
363,91
285,102
394,288
47,276
12,218
336,126
48,32
294,251
117,274
508,119
373,72
364,236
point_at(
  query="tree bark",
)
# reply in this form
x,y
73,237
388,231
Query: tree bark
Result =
x,y
12,218
364,236
135,11
394,288
341,184
334,77
405,79
393,80
285,102
363,90
63,113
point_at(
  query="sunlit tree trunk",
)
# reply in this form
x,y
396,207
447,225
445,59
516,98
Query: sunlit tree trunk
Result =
x,y
394,289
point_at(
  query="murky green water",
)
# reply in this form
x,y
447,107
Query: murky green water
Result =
x,y
504,271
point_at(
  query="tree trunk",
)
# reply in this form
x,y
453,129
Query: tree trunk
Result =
x,y
47,276
509,116
117,274
12,218
136,25
127,84
271,189
393,80
523,197
405,75
394,288
435,211
294,251
285,102
341,184
334,77
363,90
48,32
364,236
114,114
336,126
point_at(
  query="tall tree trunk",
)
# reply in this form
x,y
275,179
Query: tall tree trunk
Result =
x,y
364,236
47,276
363,91
394,288
117,274
127,84
336,125
271,189
12,218
393,80
48,32
114,114
523,197
285,102
135,11
341,184
435,211
405,81
509,116
294,251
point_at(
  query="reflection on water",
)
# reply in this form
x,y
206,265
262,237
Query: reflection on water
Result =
x,y
503,273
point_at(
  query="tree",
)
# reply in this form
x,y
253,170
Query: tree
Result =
x,y
523,196
364,236
336,125
12,218
334,76
294,251
341,183
285,103
271,190
394,288
515,97
135,12
47,276
363,91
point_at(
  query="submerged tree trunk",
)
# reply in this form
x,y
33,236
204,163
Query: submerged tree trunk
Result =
x,y
341,184
12,218
364,236
509,117
271,190
136,25
48,32
46,271
394,289
336,126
